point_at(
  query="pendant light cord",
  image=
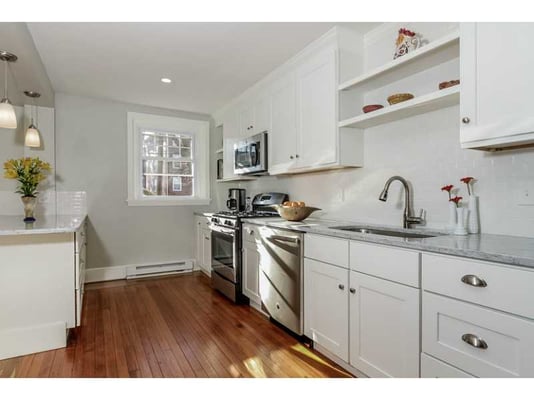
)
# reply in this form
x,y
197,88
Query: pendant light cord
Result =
x,y
5,79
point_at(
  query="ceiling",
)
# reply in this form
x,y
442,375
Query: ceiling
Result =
x,y
209,63
28,72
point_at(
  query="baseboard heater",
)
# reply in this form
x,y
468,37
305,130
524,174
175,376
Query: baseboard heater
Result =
x,y
144,271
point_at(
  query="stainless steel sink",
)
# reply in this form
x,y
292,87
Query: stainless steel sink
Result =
x,y
383,232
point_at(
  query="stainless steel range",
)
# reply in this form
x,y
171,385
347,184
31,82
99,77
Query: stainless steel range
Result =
x,y
226,243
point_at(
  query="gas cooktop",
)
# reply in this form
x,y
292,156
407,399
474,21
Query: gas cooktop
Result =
x,y
246,214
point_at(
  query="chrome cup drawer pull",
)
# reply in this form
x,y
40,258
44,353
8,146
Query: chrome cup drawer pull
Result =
x,y
475,341
474,280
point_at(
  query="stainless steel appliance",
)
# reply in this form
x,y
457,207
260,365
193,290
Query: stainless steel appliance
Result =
x,y
250,155
236,199
281,274
226,243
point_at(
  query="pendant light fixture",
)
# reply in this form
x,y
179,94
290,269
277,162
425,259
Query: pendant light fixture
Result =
x,y
32,137
8,118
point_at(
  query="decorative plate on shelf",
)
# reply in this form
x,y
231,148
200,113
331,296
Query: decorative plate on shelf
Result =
x,y
372,107
399,97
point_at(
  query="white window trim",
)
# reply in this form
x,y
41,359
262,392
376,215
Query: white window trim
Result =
x,y
137,121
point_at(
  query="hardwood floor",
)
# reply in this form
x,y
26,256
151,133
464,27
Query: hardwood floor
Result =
x,y
172,327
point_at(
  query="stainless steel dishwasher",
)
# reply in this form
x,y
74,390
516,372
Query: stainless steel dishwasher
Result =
x,y
280,281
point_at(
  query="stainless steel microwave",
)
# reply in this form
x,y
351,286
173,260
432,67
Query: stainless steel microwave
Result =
x,y
250,155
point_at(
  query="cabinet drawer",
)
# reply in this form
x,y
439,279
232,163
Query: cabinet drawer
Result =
x,y
251,233
327,249
506,342
506,289
433,368
396,265
204,222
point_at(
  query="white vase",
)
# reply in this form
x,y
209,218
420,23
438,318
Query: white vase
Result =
x,y
452,217
460,221
473,224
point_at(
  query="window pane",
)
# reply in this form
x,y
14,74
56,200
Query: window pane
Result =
x,y
181,168
159,185
186,152
167,168
185,188
150,148
186,142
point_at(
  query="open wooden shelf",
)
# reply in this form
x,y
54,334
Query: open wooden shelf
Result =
x,y
434,53
418,105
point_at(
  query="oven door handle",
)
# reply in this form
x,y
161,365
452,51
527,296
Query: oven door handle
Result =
x,y
284,238
221,229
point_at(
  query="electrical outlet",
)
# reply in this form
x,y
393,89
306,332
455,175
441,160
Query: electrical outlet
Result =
x,y
524,195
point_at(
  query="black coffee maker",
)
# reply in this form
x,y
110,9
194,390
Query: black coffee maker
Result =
x,y
236,199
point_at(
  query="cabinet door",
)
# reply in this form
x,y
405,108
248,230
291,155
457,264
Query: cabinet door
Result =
x,y
199,243
262,114
251,265
246,121
384,327
316,105
206,251
283,135
326,306
496,76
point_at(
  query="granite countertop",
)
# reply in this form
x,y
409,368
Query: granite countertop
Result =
x,y
203,214
513,250
14,225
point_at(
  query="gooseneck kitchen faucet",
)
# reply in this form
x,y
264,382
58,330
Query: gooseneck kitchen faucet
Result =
x,y
408,217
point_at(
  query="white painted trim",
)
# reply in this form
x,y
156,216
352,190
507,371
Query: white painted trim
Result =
x,y
116,272
201,140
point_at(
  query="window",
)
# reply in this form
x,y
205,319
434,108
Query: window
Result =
x,y
167,160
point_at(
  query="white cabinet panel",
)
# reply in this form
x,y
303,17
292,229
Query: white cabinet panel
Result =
x,y
326,306
433,368
390,263
262,114
504,288
251,267
384,327
327,249
497,85
504,345
317,119
206,251
246,121
283,135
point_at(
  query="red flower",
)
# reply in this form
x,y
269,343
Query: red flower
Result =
x,y
447,189
406,32
456,200
467,180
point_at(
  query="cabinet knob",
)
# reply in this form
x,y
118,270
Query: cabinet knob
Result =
x,y
474,341
341,286
251,232
352,290
291,157
466,120
296,156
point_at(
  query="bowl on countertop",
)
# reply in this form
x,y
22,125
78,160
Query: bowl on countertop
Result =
x,y
399,97
295,214
372,107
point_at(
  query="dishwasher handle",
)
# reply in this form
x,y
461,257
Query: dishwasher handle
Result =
x,y
290,239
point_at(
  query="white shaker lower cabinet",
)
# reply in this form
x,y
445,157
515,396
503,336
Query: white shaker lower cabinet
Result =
x,y
368,322
477,316
326,306
203,244
433,368
384,327
251,265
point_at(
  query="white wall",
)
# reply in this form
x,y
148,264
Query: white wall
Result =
x,y
91,156
426,151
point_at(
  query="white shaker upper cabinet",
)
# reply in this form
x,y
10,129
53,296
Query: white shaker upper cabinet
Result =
x,y
317,118
255,116
283,136
497,85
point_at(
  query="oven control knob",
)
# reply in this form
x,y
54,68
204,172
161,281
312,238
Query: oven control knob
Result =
x,y
214,220
229,223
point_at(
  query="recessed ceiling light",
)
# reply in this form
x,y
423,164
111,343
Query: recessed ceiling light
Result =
x,y
166,80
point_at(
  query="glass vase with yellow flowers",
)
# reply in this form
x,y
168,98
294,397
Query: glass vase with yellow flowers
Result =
x,y
29,172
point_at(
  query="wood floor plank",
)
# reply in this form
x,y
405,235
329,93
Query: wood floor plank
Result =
x,y
172,327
